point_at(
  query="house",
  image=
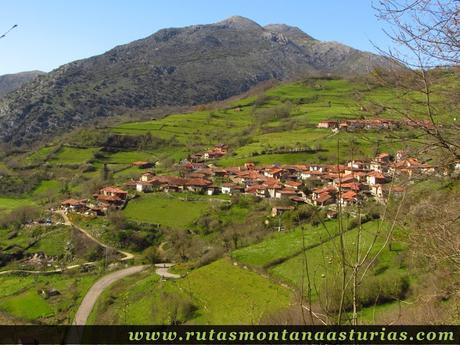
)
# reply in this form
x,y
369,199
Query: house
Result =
x,y
147,176
111,197
377,166
278,210
285,193
293,184
114,192
148,186
349,197
323,199
354,186
272,189
212,190
261,190
318,191
375,177
219,172
74,205
350,178
230,188
197,185
317,167
358,165
275,173
383,191
327,124
311,174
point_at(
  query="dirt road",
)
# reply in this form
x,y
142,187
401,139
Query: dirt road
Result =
x,y
126,255
91,297
162,271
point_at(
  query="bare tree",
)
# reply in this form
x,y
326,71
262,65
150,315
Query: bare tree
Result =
x,y
426,37
9,30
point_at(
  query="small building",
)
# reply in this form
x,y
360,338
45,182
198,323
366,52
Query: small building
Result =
x,y
147,186
278,210
147,176
327,124
142,164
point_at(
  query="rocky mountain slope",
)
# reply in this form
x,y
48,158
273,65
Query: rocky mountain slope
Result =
x,y
11,82
177,66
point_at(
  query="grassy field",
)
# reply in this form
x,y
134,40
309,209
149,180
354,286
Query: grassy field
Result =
x,y
324,261
48,187
19,296
7,204
311,102
167,210
281,246
220,293
71,155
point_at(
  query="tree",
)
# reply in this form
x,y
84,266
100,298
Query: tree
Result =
x,y
425,57
152,255
117,219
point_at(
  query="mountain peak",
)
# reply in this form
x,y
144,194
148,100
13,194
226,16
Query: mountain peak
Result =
x,y
240,22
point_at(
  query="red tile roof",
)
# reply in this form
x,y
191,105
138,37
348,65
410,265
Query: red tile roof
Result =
x,y
115,190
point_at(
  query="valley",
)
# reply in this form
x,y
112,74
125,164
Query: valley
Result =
x,y
253,201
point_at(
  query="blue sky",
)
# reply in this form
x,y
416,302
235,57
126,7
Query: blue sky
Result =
x,y
54,32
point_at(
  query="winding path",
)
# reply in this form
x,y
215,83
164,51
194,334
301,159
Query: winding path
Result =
x,y
163,271
95,291
87,305
126,255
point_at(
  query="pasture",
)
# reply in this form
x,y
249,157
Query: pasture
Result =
x,y
166,209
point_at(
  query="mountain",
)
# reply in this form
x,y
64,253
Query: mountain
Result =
x,y
11,82
176,66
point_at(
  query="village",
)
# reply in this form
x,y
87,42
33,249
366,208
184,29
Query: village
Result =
x,y
321,185
373,124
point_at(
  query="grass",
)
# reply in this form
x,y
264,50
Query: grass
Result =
x,y
7,204
52,243
247,295
323,261
281,246
127,157
164,209
222,294
20,299
28,305
71,155
41,155
48,186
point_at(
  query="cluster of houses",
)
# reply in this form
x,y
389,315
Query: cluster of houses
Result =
x,y
372,124
215,152
327,184
317,184
107,198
